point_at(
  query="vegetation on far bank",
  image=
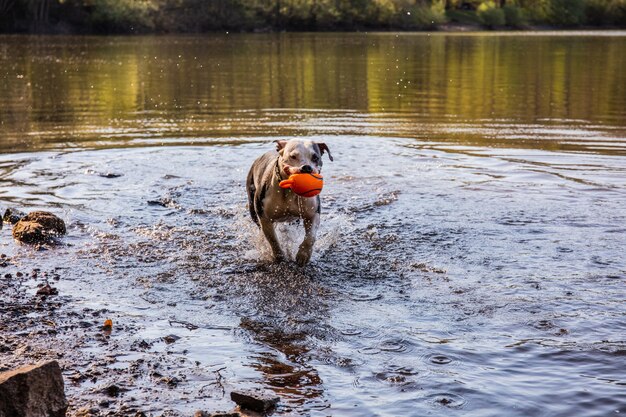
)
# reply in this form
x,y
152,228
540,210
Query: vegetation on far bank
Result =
x,y
192,16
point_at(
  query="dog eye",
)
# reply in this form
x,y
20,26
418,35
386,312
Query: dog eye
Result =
x,y
315,158
294,156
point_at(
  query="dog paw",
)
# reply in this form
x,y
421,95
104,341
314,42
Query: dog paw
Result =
x,y
303,258
279,258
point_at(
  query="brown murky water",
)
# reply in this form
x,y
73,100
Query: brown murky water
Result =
x,y
470,260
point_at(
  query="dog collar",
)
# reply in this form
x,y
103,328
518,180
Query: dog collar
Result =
x,y
277,169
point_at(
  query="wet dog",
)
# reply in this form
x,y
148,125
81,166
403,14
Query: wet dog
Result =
x,y
269,203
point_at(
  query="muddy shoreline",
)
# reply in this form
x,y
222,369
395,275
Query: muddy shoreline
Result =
x,y
39,326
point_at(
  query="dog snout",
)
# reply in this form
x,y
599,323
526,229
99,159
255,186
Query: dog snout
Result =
x,y
306,169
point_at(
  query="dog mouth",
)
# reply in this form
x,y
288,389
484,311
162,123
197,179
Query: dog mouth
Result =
x,y
289,170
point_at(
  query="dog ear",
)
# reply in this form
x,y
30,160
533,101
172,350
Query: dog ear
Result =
x,y
324,148
280,145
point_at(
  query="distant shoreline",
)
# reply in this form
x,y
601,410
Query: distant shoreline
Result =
x,y
130,17
446,29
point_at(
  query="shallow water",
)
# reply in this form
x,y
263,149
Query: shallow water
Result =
x,y
470,257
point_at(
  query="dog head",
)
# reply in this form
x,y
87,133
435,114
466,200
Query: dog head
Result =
x,y
301,156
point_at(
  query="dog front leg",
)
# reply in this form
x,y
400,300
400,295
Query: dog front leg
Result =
x,y
270,234
306,247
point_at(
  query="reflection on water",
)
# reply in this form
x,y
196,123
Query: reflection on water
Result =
x,y
468,263
546,92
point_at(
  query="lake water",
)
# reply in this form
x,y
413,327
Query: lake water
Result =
x,y
470,260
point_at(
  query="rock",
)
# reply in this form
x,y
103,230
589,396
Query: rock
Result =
x,y
112,390
140,345
47,290
253,400
171,381
109,175
170,338
33,391
48,220
11,216
86,412
38,227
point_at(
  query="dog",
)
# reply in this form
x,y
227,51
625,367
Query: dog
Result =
x,y
268,203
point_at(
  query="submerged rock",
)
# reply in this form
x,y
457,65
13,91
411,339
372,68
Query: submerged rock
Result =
x,y
109,175
254,400
33,391
200,413
38,227
47,290
164,202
